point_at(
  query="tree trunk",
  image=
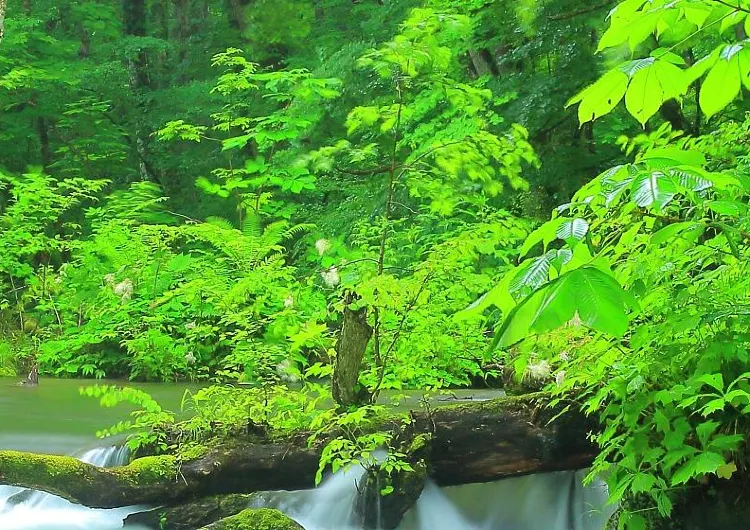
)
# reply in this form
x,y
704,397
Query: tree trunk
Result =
x,y
42,127
134,24
236,12
350,350
469,443
3,6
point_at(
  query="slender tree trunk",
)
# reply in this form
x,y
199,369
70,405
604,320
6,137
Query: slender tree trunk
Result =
x,y
2,19
134,24
42,127
350,350
236,11
184,27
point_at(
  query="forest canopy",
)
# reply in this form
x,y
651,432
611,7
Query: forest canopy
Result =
x,y
351,197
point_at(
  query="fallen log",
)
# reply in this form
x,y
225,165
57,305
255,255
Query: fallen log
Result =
x,y
473,442
192,514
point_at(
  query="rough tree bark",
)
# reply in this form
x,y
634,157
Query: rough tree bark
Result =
x,y
475,442
350,350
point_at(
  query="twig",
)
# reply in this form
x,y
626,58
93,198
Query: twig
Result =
x,y
738,7
579,12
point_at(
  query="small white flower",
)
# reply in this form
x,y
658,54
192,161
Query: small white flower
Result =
x,y
560,378
109,279
322,246
539,371
564,356
124,290
191,325
289,301
190,357
331,277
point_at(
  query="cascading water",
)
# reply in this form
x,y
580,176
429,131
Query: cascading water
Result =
x,y
33,510
553,501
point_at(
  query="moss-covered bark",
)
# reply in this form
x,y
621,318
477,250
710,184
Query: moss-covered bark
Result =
x,y
192,514
142,481
260,519
475,442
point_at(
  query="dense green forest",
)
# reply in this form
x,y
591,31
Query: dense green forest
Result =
x,y
329,200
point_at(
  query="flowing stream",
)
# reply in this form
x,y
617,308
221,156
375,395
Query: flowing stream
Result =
x,y
553,501
54,419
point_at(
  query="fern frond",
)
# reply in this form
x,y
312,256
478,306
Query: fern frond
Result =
x,y
220,222
251,226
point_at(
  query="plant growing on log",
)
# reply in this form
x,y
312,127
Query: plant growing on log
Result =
x,y
360,444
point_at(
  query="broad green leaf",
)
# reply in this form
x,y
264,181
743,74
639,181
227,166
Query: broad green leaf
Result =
x,y
697,14
653,189
535,274
673,156
715,381
642,483
545,234
645,96
670,231
722,84
574,229
586,295
236,142
705,430
727,207
601,97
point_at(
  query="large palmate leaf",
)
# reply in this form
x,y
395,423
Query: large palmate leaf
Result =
x,y
644,83
586,295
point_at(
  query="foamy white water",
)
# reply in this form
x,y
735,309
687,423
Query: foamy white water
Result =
x,y
27,510
553,501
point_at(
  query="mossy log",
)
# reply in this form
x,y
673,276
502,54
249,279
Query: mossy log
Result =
x,y
256,519
473,442
192,514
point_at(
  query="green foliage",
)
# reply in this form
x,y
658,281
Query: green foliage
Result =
x,y
666,236
685,46
166,217
148,423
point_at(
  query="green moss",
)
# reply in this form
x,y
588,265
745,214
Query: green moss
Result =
x,y
192,452
260,519
148,469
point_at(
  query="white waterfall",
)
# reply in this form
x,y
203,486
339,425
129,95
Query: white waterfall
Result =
x,y
33,510
553,501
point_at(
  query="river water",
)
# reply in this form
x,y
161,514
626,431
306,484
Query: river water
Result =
x,y
53,418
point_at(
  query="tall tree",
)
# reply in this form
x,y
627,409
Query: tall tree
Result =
x,y
134,25
2,19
